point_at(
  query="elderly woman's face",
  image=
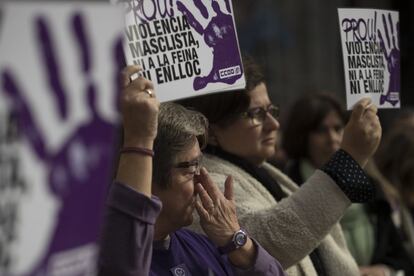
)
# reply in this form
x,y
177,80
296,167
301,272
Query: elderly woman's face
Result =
x,y
179,198
254,141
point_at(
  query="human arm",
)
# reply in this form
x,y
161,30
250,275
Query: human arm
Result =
x,y
219,221
139,118
127,233
291,229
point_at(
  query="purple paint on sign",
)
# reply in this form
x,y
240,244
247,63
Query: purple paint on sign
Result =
x,y
393,60
219,35
79,171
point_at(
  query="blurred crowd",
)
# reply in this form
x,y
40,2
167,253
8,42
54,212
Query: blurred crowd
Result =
x,y
252,181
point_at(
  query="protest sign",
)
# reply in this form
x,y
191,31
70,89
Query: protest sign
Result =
x,y
186,48
371,55
59,67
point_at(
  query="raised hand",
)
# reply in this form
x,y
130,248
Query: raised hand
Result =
x,y
218,218
217,211
362,134
220,35
392,57
139,108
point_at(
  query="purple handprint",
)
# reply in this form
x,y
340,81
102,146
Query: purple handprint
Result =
x,y
219,35
392,58
79,170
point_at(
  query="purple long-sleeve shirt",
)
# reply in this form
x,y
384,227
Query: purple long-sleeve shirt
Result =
x,y
127,247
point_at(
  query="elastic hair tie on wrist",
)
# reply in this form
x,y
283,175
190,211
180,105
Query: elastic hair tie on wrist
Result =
x,y
137,150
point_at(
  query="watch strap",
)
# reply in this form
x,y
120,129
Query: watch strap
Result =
x,y
232,244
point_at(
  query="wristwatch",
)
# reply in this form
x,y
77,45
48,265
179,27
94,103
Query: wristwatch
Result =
x,y
238,240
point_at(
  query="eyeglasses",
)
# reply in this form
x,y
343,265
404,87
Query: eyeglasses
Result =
x,y
258,114
194,165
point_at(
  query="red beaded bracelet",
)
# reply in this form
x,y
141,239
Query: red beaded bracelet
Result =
x,y
138,150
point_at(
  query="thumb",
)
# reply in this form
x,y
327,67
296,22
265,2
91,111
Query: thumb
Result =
x,y
228,188
359,108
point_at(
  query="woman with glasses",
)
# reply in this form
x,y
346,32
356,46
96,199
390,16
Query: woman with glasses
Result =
x,y
297,226
156,191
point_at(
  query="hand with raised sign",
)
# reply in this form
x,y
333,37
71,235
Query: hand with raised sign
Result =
x,y
362,133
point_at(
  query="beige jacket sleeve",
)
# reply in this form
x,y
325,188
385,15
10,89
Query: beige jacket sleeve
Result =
x,y
291,229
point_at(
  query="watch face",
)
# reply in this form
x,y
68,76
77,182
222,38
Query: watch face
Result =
x,y
240,239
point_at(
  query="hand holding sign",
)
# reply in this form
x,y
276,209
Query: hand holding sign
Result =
x,y
185,47
139,108
362,134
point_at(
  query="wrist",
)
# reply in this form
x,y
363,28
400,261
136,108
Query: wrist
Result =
x,y
137,150
347,173
236,240
146,143
360,159
243,256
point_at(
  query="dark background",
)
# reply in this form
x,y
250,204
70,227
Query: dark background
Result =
x,y
298,45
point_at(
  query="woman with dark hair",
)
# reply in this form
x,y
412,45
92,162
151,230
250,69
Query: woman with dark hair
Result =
x,y
313,133
297,226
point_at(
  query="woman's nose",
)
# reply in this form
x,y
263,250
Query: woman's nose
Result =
x,y
335,135
271,123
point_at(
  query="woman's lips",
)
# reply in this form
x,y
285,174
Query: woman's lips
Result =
x,y
269,140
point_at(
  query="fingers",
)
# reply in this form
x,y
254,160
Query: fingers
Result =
x,y
371,108
201,7
142,84
370,113
52,65
209,186
200,210
370,118
210,194
228,188
127,72
139,84
206,201
359,108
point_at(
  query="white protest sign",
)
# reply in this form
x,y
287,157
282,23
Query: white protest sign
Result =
x,y
186,48
59,68
371,54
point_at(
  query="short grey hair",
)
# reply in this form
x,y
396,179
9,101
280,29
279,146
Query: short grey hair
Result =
x,y
177,128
